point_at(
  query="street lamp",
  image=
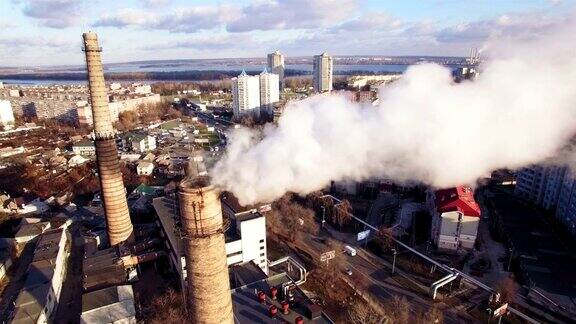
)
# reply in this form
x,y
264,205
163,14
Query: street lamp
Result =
x,y
323,215
393,260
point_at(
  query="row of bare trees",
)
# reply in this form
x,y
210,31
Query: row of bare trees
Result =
x,y
145,114
338,214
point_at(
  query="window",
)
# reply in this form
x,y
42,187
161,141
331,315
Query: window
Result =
x,y
262,241
234,254
262,254
261,248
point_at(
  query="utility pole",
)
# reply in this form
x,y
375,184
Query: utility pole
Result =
x,y
323,215
393,260
509,258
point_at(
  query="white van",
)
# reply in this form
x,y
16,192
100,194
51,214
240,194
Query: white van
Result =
x,y
350,250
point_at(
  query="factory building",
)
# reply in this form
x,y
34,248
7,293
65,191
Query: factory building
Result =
x,y
109,305
38,300
276,66
322,73
455,218
245,239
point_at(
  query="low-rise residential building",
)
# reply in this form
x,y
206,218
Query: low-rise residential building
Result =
x,y
145,168
142,143
38,300
84,147
6,113
109,305
359,81
455,218
26,204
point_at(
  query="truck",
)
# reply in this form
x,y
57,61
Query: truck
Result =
x,y
350,250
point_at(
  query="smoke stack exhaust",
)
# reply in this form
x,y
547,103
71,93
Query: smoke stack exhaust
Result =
x,y
118,222
208,296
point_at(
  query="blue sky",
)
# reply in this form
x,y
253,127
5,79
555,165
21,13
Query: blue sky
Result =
x,y
48,32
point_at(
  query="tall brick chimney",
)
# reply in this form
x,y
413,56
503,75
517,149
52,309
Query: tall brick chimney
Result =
x,y
208,296
118,221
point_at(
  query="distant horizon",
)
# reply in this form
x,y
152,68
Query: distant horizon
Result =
x,y
233,58
44,33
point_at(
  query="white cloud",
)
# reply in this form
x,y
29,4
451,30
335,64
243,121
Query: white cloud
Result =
x,y
292,14
188,20
53,13
261,15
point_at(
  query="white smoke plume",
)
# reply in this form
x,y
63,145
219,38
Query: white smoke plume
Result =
x,y
426,128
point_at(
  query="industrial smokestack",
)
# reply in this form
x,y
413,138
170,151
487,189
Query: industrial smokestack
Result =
x,y
113,192
208,296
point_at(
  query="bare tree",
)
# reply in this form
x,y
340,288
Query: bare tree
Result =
x,y
342,214
168,308
507,289
399,310
385,239
432,315
362,313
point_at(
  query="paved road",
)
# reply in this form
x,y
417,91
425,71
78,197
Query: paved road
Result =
x,y
372,274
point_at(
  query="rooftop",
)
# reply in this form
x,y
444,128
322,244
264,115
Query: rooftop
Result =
x,y
248,309
457,199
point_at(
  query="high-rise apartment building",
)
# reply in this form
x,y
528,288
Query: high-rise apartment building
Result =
x,y
6,113
566,209
540,184
322,79
246,95
276,66
269,92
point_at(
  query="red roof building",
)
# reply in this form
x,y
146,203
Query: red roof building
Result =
x,y
457,199
455,218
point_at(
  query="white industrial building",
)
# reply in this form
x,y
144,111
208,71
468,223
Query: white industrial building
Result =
x,y
276,66
6,113
38,300
322,74
109,305
455,218
246,95
269,92
245,238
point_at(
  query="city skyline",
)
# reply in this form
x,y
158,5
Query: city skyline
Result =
x,y
45,31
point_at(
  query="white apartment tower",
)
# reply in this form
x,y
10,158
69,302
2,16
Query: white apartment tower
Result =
x,y
322,73
246,95
269,91
276,66
6,113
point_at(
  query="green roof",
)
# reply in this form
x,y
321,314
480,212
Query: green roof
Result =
x,y
170,125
